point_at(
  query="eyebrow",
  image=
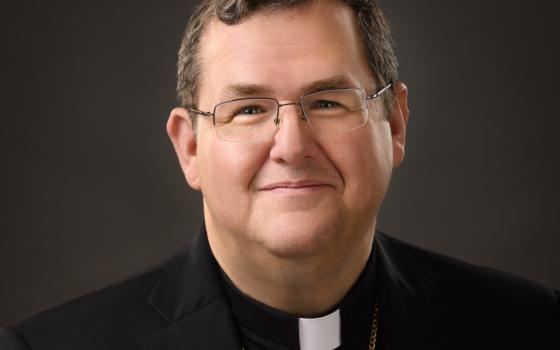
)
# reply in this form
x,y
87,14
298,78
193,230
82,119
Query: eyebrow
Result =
x,y
257,90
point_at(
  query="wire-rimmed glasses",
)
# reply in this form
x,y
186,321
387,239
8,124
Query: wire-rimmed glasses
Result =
x,y
257,119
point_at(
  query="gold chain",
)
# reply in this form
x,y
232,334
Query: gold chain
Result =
x,y
373,336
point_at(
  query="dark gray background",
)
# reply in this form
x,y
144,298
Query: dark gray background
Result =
x,y
91,190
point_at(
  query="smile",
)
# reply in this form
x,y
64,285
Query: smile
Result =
x,y
296,186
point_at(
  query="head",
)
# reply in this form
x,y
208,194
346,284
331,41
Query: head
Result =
x,y
301,193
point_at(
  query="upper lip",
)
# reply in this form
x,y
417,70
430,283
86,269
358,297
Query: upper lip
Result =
x,y
294,184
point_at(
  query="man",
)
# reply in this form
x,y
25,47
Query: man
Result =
x,y
292,120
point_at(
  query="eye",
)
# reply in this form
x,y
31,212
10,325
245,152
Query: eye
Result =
x,y
250,110
325,104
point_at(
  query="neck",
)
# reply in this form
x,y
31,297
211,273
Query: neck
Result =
x,y
306,286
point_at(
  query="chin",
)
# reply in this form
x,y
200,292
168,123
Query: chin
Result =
x,y
298,239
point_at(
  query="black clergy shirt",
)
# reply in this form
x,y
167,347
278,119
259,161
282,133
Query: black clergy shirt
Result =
x,y
263,327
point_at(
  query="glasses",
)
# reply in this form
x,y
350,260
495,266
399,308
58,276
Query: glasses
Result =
x,y
257,119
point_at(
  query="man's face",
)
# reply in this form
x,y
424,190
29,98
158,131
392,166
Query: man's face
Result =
x,y
302,192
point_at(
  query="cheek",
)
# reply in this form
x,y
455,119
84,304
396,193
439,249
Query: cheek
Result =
x,y
227,168
366,164
226,173
382,147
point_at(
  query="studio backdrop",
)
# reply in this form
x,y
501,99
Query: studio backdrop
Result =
x,y
92,192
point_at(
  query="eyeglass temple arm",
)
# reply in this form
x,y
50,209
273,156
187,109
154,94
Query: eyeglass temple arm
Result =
x,y
196,111
385,88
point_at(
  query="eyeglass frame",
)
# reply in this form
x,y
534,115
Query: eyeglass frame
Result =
x,y
301,114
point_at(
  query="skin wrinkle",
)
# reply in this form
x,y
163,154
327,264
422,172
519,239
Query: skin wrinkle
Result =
x,y
241,90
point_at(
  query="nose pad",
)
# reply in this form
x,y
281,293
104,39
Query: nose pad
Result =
x,y
300,114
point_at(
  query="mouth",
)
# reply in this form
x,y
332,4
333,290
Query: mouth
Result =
x,y
296,186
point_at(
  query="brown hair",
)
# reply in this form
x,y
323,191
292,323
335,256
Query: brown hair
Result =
x,y
376,36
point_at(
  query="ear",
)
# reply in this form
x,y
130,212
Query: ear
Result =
x,y
398,121
180,131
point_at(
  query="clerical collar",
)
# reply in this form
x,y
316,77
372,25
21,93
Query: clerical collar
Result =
x,y
348,323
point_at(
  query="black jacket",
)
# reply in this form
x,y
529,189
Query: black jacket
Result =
x,y
427,301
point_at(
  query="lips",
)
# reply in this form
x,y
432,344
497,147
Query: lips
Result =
x,y
295,185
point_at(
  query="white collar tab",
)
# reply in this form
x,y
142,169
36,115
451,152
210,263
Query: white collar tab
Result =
x,y
322,333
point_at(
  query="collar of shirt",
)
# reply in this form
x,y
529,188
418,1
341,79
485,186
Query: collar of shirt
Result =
x,y
263,327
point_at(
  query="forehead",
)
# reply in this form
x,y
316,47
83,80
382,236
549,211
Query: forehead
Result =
x,y
283,51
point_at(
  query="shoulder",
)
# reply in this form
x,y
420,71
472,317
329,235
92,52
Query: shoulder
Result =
x,y
471,278
113,315
468,297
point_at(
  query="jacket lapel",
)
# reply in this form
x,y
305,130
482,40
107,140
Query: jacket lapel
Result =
x,y
190,297
406,287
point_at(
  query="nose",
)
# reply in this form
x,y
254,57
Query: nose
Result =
x,y
294,140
